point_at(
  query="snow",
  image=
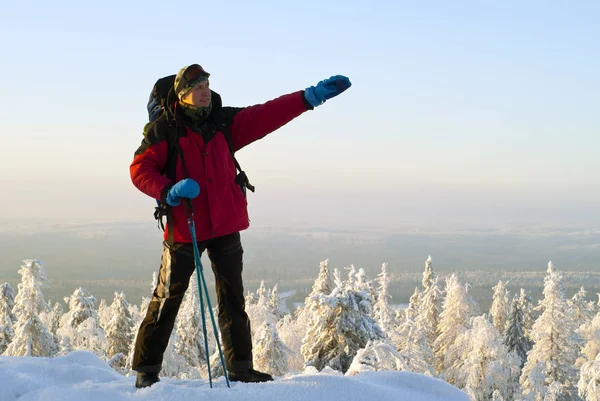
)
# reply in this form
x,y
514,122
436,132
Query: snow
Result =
x,y
81,375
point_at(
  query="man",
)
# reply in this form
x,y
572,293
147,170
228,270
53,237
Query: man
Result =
x,y
206,174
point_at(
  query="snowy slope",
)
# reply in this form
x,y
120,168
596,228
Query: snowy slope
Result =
x,y
83,376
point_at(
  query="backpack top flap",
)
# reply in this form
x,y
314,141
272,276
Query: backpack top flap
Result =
x,y
161,98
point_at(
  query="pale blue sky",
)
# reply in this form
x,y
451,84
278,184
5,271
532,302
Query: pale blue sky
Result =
x,y
469,111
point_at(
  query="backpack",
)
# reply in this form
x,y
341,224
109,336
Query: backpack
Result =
x,y
160,102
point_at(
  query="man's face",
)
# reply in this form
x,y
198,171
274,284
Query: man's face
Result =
x,y
199,96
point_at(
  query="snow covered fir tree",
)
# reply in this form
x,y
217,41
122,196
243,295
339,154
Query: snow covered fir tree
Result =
x,y
520,350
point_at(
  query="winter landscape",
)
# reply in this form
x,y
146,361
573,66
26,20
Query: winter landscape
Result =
x,y
518,350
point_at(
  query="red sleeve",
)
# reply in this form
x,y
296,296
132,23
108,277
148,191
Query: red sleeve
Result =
x,y
254,122
146,167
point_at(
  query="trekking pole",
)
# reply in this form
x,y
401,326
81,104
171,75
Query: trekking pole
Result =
x,y
202,284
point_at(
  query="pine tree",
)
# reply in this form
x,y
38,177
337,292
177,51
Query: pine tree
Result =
x,y
323,284
105,314
414,346
364,284
383,313
271,355
275,304
592,346
487,364
499,310
81,325
119,328
190,343
51,319
292,328
260,311
89,336
514,336
414,304
81,307
428,275
340,325
529,315
31,337
430,304
7,303
6,330
458,308
553,334
589,381
535,383
583,310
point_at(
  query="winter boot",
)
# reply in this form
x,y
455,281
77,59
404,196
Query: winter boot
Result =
x,y
146,379
250,376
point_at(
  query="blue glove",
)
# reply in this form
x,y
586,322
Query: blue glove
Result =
x,y
187,188
326,89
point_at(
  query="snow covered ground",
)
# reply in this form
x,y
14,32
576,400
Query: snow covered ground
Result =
x,y
81,375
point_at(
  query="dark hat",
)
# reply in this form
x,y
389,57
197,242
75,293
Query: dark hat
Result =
x,y
187,78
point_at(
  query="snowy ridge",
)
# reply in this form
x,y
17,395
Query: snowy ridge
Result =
x,y
81,375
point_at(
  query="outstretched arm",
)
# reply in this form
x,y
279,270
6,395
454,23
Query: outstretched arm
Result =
x,y
254,122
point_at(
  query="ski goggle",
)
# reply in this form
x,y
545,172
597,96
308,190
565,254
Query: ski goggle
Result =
x,y
194,73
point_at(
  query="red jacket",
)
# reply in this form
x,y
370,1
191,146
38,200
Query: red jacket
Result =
x,y
221,207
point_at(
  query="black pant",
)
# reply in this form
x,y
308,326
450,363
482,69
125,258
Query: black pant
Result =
x,y
177,266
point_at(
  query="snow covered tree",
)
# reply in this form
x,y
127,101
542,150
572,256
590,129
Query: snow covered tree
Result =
x,y
499,310
589,381
583,310
592,346
377,356
190,342
270,354
89,336
175,365
428,275
81,324
535,383
323,283
51,319
31,337
105,314
293,327
514,335
486,364
414,346
119,328
414,303
383,313
341,324
528,309
7,303
363,284
553,335
458,309
260,311
275,304
81,307
430,304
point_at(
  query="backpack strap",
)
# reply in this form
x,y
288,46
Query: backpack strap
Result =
x,y
224,125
